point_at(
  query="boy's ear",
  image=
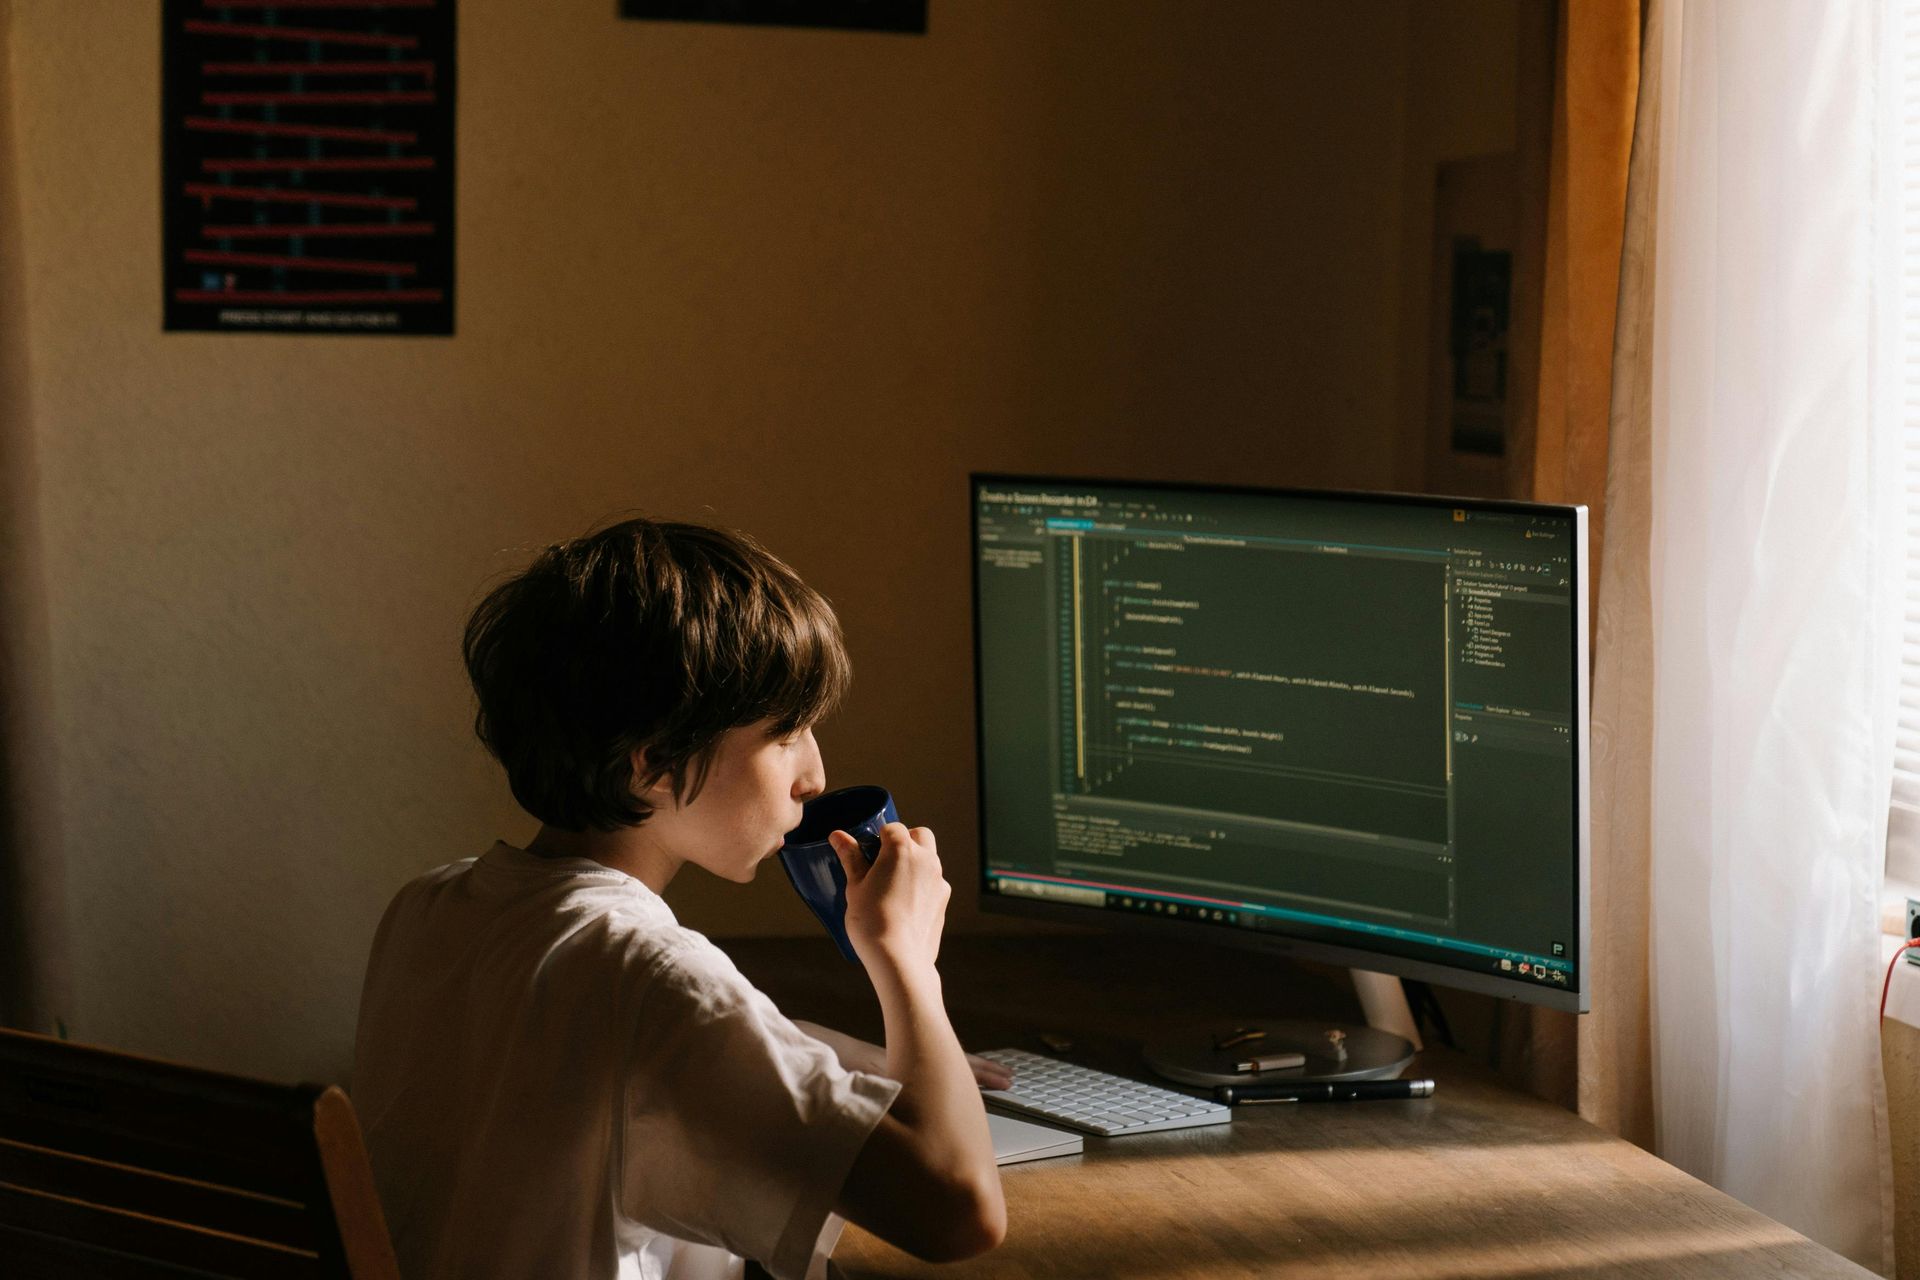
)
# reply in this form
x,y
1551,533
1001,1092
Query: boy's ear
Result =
x,y
658,793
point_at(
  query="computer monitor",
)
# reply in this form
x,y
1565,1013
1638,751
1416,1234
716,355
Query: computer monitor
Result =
x,y
1350,727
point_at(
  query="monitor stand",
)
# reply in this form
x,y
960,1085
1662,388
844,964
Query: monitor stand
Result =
x,y
1325,1050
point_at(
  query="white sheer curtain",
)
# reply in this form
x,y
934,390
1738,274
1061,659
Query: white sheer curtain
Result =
x,y
1775,559
1900,349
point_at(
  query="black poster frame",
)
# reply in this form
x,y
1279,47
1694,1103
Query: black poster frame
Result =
x,y
307,170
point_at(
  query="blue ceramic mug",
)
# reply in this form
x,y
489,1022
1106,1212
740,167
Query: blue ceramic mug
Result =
x,y
812,864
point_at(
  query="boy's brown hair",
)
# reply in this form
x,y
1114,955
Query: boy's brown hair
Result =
x,y
649,635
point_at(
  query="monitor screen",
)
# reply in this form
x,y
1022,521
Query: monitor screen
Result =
x,y
1349,726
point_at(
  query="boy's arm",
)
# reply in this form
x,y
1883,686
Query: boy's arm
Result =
x,y
856,1054
926,1180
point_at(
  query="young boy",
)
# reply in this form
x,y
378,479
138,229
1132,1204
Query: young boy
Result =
x,y
556,1079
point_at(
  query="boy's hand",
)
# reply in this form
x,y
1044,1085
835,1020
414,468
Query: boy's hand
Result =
x,y
989,1074
897,905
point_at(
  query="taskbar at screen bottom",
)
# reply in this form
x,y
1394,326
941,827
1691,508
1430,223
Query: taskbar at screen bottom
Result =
x,y
1550,971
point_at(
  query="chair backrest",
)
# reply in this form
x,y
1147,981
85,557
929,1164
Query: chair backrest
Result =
x,y
115,1166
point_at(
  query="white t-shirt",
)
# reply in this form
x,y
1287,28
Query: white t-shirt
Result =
x,y
556,1080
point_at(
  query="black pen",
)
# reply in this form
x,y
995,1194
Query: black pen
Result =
x,y
1334,1091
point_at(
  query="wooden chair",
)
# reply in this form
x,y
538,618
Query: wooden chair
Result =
x,y
117,1166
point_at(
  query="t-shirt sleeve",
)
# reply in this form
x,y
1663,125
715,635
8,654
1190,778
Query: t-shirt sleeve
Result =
x,y
738,1128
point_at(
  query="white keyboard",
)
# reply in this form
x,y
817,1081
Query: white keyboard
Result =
x,y
1078,1097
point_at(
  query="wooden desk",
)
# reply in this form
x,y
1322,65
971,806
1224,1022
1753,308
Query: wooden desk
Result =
x,y
1478,1181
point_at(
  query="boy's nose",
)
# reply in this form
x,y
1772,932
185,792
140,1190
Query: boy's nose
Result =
x,y
813,773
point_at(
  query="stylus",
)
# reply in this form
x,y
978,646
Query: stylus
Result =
x,y
1335,1091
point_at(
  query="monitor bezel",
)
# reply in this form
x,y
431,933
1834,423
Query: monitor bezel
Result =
x,y
1576,998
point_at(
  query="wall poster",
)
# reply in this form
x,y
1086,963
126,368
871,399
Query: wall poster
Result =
x,y
908,17
307,166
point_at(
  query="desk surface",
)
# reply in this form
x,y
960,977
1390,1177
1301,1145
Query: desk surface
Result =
x,y
1478,1181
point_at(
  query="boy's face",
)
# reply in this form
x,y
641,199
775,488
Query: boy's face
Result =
x,y
751,799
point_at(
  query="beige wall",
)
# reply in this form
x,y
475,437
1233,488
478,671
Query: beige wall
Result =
x,y
795,282
33,976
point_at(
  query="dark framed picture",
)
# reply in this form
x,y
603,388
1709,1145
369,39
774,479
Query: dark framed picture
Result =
x,y
907,17
307,167
1477,342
